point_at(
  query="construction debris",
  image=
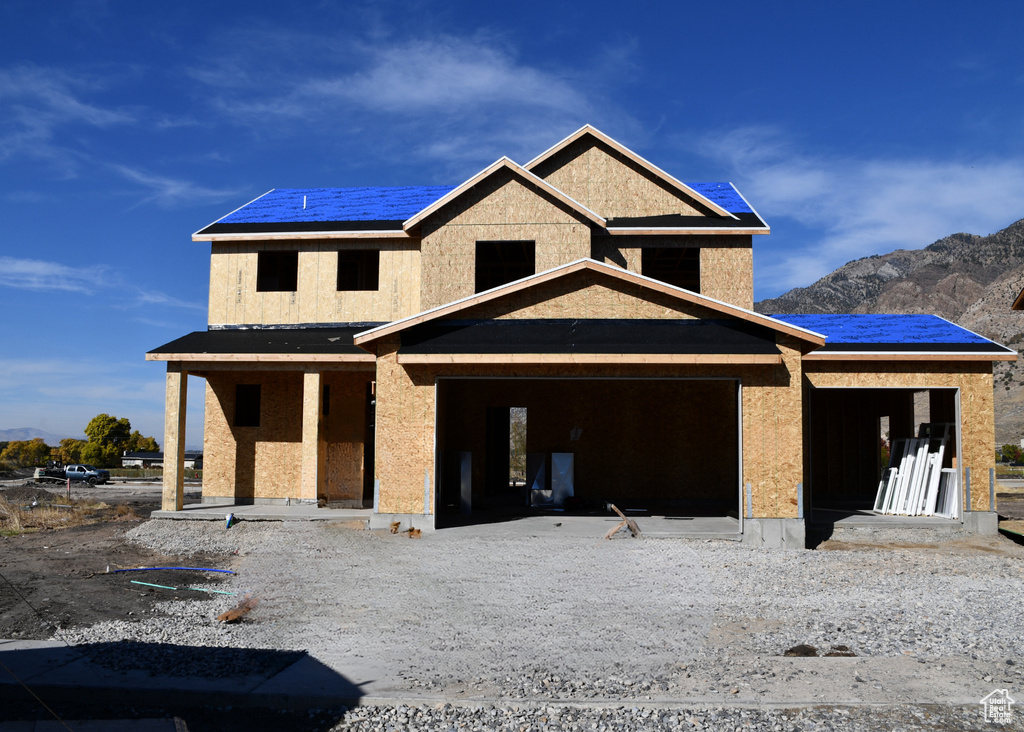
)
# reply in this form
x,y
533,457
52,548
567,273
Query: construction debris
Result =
x,y
916,483
236,613
625,523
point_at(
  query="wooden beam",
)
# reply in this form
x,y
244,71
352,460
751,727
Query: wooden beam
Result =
x,y
643,231
264,357
590,358
279,235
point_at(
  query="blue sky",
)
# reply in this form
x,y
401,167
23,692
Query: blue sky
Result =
x,y
853,128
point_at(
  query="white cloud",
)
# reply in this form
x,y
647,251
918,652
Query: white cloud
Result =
x,y
169,192
859,207
35,102
34,274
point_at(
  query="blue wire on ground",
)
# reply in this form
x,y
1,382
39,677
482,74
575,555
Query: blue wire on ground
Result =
x,y
148,569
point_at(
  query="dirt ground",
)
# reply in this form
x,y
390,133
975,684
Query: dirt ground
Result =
x,y
58,577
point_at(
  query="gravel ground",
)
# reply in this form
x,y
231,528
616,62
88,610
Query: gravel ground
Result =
x,y
517,631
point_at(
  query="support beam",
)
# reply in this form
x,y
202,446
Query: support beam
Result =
x,y
174,438
312,409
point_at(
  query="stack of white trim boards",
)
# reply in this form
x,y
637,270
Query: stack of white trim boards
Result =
x,y
915,483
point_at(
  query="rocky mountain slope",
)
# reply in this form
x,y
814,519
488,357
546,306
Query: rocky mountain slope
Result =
x,y
968,279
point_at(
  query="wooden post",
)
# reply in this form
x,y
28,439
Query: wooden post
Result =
x,y
173,498
312,405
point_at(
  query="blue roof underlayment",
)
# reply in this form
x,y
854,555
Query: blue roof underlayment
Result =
x,y
285,205
724,195
337,204
880,329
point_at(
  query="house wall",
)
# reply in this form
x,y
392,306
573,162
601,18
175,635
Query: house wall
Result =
x,y
234,299
501,208
974,379
772,414
609,183
726,262
343,434
253,462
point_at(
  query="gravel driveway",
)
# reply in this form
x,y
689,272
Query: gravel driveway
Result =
x,y
467,617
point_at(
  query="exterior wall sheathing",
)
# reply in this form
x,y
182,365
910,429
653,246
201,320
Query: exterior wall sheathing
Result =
x,y
609,183
502,209
772,403
234,299
974,379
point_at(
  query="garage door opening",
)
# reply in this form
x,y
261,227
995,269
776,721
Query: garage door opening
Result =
x,y
509,447
853,434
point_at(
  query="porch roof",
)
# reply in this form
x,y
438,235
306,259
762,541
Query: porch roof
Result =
x,y
266,344
900,336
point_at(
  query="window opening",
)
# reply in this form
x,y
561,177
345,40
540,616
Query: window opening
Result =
x,y
247,405
678,266
500,262
359,270
277,272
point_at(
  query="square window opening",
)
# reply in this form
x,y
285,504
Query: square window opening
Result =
x,y
277,272
501,262
359,270
678,266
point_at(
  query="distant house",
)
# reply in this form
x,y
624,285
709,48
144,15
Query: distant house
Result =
x,y
365,347
191,460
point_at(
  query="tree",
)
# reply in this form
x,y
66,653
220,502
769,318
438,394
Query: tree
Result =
x,y
68,451
109,437
26,453
1011,453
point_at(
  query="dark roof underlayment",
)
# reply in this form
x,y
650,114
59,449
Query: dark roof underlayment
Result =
x,y
387,208
669,336
914,333
337,341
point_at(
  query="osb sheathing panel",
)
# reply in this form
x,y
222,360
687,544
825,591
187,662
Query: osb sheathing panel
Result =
x,y
772,404
977,414
639,441
234,299
726,262
588,294
311,463
344,434
253,462
501,208
609,183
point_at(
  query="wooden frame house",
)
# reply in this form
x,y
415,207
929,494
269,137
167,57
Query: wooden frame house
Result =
x,y
365,347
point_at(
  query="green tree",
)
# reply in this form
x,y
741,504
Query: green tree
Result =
x,y
68,451
1011,453
26,453
110,437
138,443
106,430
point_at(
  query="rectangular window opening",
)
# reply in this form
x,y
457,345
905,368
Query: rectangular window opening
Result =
x,y
359,270
247,405
277,272
678,266
501,262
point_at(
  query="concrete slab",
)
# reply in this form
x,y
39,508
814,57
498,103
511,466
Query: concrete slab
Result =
x,y
302,512
28,660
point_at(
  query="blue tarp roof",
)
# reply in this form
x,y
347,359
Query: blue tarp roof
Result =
x,y
929,330
285,205
724,194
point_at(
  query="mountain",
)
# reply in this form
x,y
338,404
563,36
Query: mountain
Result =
x,y
968,279
30,433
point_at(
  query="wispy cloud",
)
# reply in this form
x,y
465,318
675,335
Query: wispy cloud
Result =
x,y
41,276
169,192
35,102
151,297
471,96
856,207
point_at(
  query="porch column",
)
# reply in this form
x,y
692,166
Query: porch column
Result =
x,y
311,408
174,438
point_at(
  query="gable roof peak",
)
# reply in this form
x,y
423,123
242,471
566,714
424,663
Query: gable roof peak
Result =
x,y
504,162
670,180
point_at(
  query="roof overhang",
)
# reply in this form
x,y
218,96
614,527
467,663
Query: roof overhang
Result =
x,y
299,235
237,346
713,230
1018,304
823,355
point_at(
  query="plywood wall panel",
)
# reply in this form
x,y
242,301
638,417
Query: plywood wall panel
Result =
x,y
610,184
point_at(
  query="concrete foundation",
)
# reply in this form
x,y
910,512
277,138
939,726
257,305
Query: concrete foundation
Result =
x,y
981,522
775,533
421,521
